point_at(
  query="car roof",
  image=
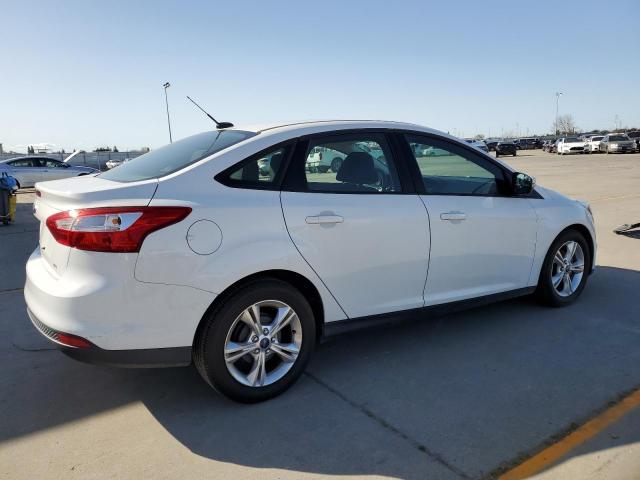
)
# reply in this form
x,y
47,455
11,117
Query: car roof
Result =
x,y
28,156
325,125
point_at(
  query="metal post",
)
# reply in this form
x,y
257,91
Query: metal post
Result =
x,y
557,105
166,100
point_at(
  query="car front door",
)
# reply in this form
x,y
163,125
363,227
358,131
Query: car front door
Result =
x,y
482,239
362,229
54,170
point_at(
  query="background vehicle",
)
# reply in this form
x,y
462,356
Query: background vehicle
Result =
x,y
617,143
635,136
477,143
527,143
116,162
592,143
506,148
566,145
491,143
29,170
549,145
258,267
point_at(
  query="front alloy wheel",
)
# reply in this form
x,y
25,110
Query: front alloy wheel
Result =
x,y
565,270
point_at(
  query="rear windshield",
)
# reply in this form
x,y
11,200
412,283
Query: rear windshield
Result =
x,y
617,138
175,156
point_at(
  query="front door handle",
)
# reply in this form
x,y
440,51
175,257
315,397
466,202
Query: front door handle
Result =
x,y
324,219
453,216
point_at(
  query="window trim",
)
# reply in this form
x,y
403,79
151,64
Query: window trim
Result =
x,y
224,177
296,181
504,183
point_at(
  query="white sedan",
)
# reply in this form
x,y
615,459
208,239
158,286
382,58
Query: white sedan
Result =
x,y
192,253
29,170
567,145
592,144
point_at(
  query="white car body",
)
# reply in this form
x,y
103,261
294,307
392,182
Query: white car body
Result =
x,y
32,169
568,145
592,144
389,253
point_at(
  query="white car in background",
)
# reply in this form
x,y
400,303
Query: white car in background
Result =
x,y
567,145
592,144
190,254
29,170
116,162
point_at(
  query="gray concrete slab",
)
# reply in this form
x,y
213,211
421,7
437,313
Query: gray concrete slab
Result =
x,y
453,397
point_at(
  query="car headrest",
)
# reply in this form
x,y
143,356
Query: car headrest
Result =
x,y
275,162
357,167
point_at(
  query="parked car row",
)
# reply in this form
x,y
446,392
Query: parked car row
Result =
x,y
610,143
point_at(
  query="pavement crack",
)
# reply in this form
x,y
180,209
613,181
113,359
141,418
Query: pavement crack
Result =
x,y
23,349
12,290
388,426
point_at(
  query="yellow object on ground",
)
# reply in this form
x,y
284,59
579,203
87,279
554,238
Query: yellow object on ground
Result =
x,y
12,207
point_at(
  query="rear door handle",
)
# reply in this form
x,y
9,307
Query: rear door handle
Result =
x,y
452,216
323,219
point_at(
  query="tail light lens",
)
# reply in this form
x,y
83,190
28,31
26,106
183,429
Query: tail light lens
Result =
x,y
113,229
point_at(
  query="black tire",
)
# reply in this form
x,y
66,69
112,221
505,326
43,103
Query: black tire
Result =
x,y
208,351
545,292
323,169
514,153
497,154
336,163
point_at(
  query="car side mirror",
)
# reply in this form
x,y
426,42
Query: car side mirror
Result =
x,y
522,183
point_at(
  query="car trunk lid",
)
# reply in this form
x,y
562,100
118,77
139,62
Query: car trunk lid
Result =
x,y
81,192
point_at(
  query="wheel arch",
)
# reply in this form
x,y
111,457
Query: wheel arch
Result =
x,y
585,232
294,279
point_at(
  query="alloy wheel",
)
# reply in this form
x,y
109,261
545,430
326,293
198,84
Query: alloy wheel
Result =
x,y
263,343
567,268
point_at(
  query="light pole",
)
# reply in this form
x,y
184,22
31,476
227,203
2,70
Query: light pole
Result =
x,y
557,105
166,101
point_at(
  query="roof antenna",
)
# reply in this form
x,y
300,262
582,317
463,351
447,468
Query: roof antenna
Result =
x,y
219,125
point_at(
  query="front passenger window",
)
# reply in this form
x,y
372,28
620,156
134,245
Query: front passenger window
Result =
x,y
448,169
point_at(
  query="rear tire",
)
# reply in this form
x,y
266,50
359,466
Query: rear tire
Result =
x,y
560,265
336,163
225,327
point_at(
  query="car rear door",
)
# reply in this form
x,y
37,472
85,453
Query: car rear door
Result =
x,y
482,240
363,230
26,171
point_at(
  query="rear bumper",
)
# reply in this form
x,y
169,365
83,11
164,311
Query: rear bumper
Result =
x,y
140,358
108,307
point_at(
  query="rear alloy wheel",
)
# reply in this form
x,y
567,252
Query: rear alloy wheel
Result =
x,y
565,270
257,343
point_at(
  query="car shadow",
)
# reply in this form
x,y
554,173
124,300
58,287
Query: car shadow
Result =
x,y
470,393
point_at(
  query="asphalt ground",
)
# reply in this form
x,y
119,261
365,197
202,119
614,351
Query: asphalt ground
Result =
x,y
470,395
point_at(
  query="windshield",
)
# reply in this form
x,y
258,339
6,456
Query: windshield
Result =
x,y
175,156
572,140
617,138
596,139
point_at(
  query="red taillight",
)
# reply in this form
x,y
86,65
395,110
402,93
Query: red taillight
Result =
x,y
113,229
73,340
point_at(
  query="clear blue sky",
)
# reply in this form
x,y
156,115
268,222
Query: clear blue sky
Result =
x,y
87,73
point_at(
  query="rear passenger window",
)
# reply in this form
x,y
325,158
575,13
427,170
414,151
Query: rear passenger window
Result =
x,y
261,171
353,163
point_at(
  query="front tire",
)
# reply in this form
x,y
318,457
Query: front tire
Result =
x,y
565,270
256,344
